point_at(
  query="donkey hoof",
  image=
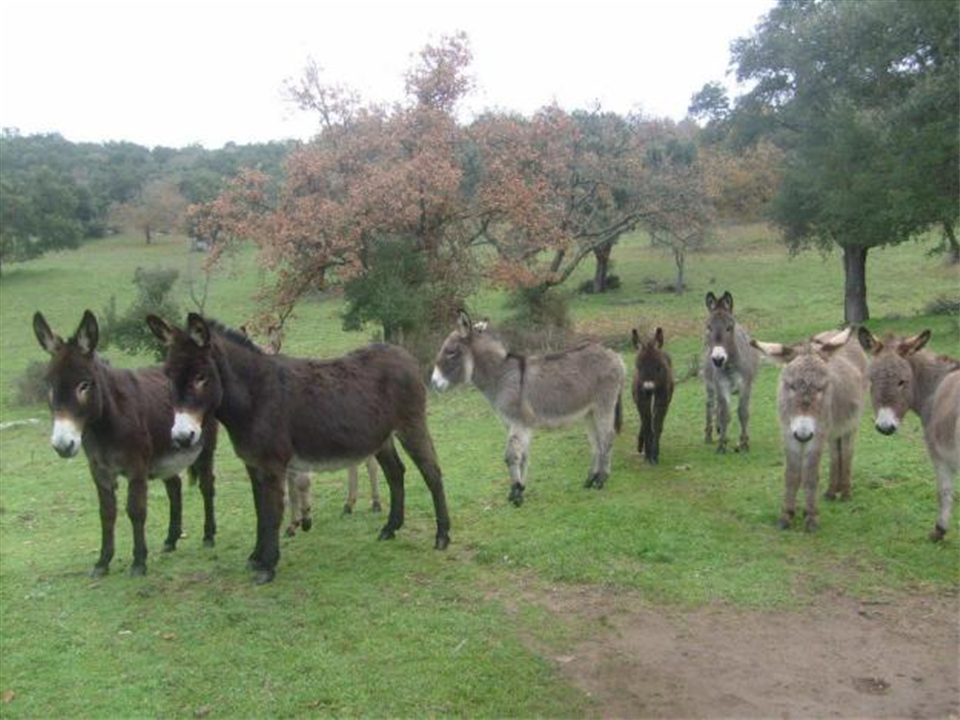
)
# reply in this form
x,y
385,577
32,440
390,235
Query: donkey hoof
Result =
x,y
100,571
386,534
784,522
290,531
516,494
254,564
348,509
375,507
169,546
306,524
443,540
708,439
209,542
722,448
138,570
264,576
652,460
591,480
743,446
845,496
811,525
937,534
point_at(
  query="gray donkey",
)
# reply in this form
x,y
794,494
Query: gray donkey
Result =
x,y
537,391
730,365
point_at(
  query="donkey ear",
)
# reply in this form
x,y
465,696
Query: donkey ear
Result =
x,y
197,330
464,326
869,341
635,337
834,343
161,328
658,337
88,333
711,301
781,354
726,302
914,344
45,336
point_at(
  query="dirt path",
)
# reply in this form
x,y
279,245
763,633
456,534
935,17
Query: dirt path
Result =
x,y
895,658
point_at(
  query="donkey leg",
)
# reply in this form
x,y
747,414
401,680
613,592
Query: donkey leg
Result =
x,y
661,405
646,423
810,469
254,561
791,478
203,470
945,480
846,475
593,433
605,434
419,446
836,469
723,417
518,444
291,503
393,470
373,474
303,484
271,509
711,401
107,497
137,512
743,415
175,496
352,481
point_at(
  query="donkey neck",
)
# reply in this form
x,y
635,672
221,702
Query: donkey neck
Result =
x,y
241,369
929,370
491,366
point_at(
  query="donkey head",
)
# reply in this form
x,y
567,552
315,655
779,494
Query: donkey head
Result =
x,y
891,376
721,329
804,381
196,386
651,363
457,357
73,387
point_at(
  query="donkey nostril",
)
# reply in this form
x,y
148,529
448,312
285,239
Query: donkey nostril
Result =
x,y
886,429
718,361
802,436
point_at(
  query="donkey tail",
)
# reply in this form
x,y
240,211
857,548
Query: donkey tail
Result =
x,y
618,415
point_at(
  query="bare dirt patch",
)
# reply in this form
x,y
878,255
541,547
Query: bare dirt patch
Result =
x,y
898,657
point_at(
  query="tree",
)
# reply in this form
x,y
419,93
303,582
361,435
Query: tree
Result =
x,y
159,208
39,211
862,96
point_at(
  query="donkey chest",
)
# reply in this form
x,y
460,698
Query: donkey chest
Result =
x,y
174,462
730,383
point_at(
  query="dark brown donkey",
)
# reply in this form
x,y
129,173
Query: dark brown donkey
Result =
x,y
652,392
122,420
288,413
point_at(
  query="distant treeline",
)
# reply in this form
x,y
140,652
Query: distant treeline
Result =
x,y
54,193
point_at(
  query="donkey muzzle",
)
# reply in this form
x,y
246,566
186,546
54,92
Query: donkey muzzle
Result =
x,y
186,431
887,422
803,428
66,437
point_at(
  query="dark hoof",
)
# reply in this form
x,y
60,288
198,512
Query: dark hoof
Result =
x,y
442,542
348,509
516,494
743,446
254,564
306,524
600,481
100,571
375,507
708,439
209,542
591,481
845,497
264,576
138,570
386,534
811,525
169,546
937,534
722,448
290,531
652,460
784,522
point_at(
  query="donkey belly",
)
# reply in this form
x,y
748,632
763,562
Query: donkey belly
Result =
x,y
560,420
300,464
175,462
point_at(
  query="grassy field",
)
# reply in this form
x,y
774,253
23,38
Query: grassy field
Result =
x,y
353,627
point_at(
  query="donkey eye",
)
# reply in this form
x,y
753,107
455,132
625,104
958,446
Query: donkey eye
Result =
x,y
199,381
84,387
729,328
901,383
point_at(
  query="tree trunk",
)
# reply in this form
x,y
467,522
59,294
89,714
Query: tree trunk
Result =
x,y
855,284
146,231
680,258
953,248
600,275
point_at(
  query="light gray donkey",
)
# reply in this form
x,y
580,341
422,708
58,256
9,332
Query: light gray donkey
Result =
x,y
821,397
903,377
550,390
730,365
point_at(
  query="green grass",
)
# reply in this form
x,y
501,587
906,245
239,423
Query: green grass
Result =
x,y
352,627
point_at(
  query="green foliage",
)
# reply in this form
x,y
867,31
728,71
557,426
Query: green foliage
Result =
x,y
31,387
129,331
39,211
587,286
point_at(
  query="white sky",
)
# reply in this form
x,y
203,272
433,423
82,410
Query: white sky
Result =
x,y
175,72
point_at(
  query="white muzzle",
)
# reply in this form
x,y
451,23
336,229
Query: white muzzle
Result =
x,y
186,430
438,380
67,437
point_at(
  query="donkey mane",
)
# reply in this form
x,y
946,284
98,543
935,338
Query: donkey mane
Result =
x,y
234,336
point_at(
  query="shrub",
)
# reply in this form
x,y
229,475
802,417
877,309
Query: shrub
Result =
x,y
31,387
586,287
129,331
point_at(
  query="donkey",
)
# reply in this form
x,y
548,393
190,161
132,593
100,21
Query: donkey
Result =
x,y
652,391
821,397
289,413
297,496
904,376
730,366
122,420
537,391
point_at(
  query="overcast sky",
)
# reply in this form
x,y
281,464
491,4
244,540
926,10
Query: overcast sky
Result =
x,y
175,72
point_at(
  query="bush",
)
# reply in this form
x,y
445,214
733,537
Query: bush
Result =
x,y
943,305
31,387
540,320
586,287
129,331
